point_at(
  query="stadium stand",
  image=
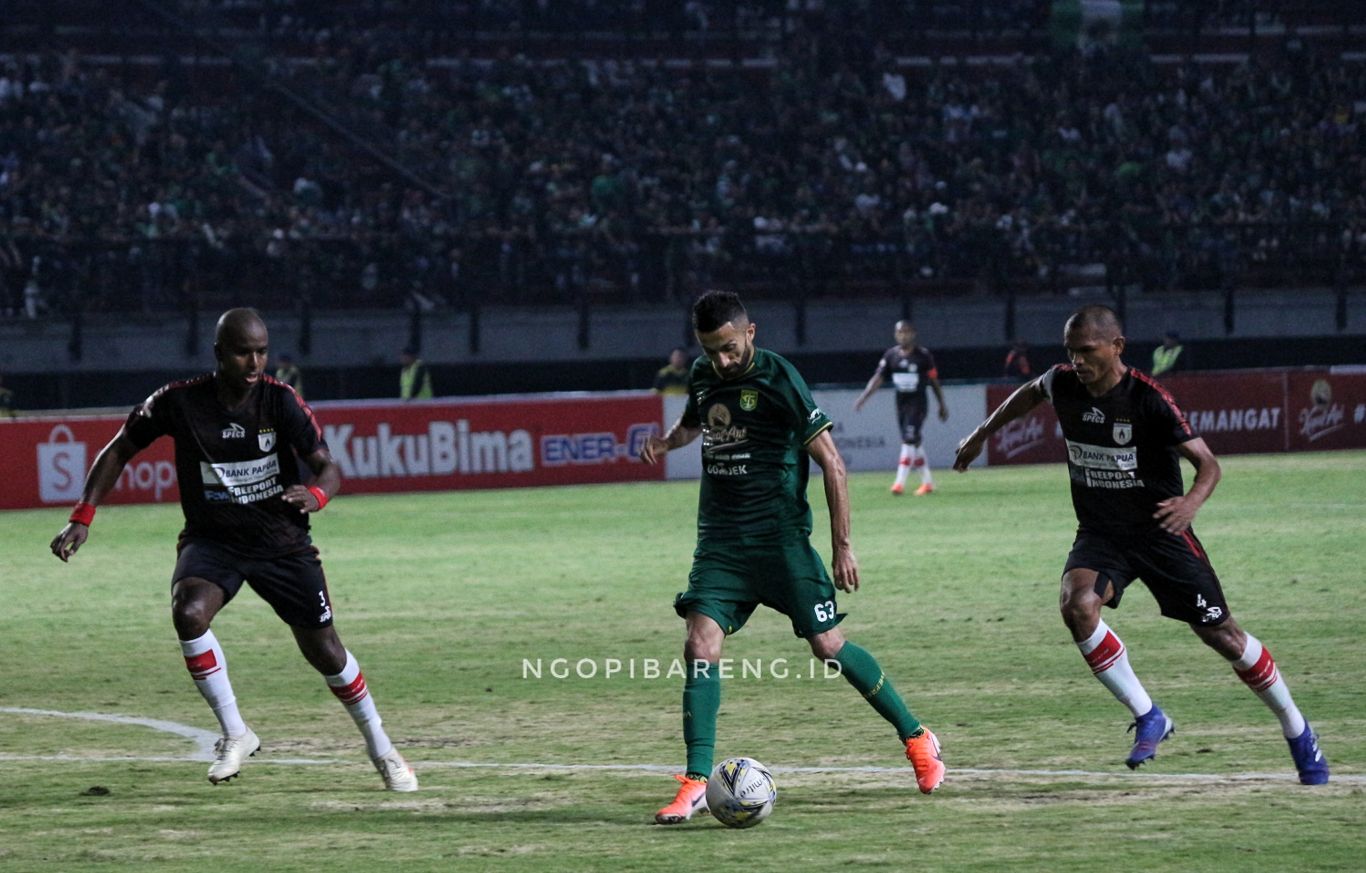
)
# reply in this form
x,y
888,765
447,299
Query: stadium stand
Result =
x,y
367,154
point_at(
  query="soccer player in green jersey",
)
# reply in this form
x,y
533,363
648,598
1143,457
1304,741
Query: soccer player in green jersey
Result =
x,y
759,427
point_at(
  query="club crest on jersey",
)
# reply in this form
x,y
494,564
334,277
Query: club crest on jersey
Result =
x,y
234,431
265,439
1123,432
749,399
1095,416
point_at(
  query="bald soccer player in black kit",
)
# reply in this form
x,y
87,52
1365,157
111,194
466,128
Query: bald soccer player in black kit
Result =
x,y
1125,439
238,433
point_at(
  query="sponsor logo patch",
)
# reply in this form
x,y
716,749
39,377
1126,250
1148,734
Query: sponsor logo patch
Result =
x,y
1103,466
242,481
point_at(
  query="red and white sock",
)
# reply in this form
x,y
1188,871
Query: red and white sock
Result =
x,y
903,467
1109,661
349,686
1258,670
209,668
922,463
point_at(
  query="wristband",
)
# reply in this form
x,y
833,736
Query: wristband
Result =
x,y
317,493
84,513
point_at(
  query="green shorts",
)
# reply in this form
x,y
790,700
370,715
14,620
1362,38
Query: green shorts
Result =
x,y
730,578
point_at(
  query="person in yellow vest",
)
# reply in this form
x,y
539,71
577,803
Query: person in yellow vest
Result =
x,y
414,380
1167,357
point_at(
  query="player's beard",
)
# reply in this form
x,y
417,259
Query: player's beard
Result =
x,y
741,366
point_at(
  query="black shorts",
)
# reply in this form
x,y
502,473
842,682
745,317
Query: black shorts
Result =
x,y
293,585
1173,566
910,417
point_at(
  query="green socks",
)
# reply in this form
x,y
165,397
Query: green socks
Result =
x,y
864,673
701,701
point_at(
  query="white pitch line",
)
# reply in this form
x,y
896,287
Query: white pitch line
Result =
x,y
155,759
205,740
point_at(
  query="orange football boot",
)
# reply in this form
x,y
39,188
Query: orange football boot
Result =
x,y
922,750
690,799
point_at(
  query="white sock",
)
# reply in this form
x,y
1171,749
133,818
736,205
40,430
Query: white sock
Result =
x,y
903,467
1258,670
209,668
922,461
1109,661
349,686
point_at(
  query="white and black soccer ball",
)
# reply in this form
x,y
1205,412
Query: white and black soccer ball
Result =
x,y
741,792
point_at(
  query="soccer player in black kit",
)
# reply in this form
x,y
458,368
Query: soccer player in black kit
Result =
x,y
912,370
237,434
1125,437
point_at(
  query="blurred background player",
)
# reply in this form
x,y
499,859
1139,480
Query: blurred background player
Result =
x,y
1125,438
760,429
289,374
912,369
1017,367
672,378
246,520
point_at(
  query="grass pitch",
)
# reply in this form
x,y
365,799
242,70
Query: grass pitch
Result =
x,y
449,601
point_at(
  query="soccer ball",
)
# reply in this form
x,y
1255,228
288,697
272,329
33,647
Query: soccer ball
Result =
x,y
741,792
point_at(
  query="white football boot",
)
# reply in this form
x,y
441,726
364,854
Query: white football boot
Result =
x,y
398,776
229,753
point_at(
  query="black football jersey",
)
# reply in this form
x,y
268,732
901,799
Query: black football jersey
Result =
x,y
233,465
910,372
1122,453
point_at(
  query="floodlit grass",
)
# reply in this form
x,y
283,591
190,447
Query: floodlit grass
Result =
x,y
450,600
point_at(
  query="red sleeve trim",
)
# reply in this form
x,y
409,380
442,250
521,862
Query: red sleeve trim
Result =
x,y
1166,398
303,406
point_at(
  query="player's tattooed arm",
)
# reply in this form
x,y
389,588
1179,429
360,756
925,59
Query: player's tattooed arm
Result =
x,y
678,436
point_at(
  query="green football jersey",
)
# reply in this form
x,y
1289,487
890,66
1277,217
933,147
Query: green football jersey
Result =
x,y
755,429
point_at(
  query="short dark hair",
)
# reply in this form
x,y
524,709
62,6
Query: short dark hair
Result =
x,y
713,309
1096,316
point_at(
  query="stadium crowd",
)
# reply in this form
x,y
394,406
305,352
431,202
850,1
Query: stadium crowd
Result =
x,y
525,180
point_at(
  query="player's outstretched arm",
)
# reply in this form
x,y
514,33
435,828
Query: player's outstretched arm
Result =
x,y
1025,398
326,483
104,475
678,436
843,564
